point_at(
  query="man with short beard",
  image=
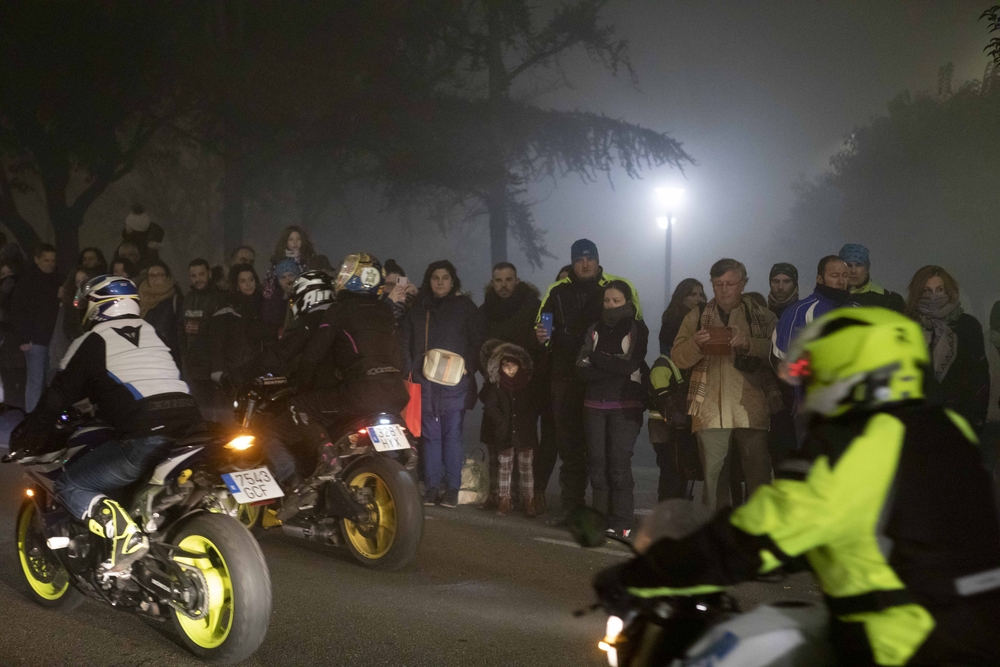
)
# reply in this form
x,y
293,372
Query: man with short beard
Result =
x,y
508,316
859,280
831,293
784,281
196,347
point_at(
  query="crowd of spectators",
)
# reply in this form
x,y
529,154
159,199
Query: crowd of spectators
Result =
x,y
564,373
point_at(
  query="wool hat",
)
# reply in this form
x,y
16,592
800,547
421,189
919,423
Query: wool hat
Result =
x,y
286,266
784,268
855,253
583,248
137,221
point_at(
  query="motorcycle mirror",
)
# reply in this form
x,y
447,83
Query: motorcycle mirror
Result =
x,y
588,527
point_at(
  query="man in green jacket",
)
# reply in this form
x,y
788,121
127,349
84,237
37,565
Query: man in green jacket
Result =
x,y
893,510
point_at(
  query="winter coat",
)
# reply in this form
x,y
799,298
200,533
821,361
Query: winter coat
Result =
x,y
167,318
512,412
34,306
873,294
735,399
237,332
575,305
512,320
452,324
804,311
196,341
669,326
612,363
965,388
10,354
354,358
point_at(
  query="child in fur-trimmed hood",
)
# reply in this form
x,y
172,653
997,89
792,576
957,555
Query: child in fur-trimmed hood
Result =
x,y
512,411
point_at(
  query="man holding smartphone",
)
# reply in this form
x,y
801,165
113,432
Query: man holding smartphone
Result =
x,y
574,304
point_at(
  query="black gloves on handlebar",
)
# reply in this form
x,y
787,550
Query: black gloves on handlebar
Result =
x,y
224,382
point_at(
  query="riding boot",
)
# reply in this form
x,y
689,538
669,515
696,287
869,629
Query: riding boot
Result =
x,y
299,495
109,520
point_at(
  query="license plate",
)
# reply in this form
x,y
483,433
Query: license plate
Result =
x,y
388,438
252,486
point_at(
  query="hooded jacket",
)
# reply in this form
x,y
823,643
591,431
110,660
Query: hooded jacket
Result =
x,y
576,305
512,413
449,323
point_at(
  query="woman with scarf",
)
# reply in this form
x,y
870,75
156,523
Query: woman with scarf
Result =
x,y
611,362
959,368
162,305
238,331
291,258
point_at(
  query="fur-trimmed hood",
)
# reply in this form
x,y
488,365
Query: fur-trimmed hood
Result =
x,y
499,350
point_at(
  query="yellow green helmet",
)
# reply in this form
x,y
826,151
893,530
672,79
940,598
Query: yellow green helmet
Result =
x,y
858,358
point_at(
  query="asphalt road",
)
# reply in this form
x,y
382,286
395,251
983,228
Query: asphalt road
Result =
x,y
483,590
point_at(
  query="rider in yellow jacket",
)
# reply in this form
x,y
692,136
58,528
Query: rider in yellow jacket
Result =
x,y
891,508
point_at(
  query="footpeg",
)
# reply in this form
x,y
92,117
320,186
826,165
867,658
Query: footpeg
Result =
x,y
57,543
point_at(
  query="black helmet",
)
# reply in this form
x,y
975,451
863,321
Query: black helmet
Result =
x,y
312,290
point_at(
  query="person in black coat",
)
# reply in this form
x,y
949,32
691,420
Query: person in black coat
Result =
x,y
162,305
442,318
34,308
611,362
238,332
960,373
509,397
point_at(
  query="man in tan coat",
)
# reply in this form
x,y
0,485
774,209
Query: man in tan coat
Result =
x,y
732,392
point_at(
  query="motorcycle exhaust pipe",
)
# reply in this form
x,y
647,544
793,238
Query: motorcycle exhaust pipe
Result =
x,y
317,532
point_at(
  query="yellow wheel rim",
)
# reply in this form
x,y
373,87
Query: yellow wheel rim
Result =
x,y
248,515
47,578
212,630
374,538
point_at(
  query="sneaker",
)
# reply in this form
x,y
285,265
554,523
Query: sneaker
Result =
x,y
611,532
450,498
505,506
430,497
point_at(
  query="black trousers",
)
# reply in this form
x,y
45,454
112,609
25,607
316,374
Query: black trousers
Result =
x,y
611,438
676,457
567,406
545,455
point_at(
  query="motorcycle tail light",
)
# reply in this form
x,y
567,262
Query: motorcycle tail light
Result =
x,y
240,443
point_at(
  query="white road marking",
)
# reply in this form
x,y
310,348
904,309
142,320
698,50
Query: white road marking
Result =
x,y
574,545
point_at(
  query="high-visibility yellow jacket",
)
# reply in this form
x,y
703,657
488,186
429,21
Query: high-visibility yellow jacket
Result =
x,y
894,513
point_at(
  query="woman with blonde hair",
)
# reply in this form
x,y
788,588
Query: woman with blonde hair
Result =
x,y
959,373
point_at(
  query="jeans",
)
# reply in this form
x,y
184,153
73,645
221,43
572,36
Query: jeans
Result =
x,y
108,468
443,453
611,438
36,359
714,449
567,405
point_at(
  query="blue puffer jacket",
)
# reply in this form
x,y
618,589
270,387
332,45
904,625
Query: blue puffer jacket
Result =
x,y
451,324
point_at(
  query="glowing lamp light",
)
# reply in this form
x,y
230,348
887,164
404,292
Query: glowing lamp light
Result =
x,y
664,222
30,493
240,443
671,198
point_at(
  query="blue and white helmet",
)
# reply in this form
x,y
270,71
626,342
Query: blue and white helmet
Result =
x,y
107,298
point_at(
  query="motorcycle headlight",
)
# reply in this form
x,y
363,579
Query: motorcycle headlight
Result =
x,y
612,630
240,443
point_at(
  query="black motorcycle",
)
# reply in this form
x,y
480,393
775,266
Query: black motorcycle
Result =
x,y
369,502
203,572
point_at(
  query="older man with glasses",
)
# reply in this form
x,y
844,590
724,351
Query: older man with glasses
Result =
x,y
732,392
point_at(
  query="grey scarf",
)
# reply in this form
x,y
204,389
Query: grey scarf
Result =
x,y
936,314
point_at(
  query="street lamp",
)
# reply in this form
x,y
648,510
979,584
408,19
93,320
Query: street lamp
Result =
x,y
668,200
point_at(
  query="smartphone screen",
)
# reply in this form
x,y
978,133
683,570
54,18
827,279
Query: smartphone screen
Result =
x,y
547,323
402,280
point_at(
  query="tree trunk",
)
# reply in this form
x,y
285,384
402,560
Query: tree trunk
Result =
x,y
66,225
232,190
496,203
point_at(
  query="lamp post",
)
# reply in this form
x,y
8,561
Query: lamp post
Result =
x,y
668,200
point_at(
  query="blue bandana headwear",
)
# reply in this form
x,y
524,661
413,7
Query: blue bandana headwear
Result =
x,y
287,266
855,253
583,248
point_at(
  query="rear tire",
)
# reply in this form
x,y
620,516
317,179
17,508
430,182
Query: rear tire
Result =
x,y
390,540
239,589
48,581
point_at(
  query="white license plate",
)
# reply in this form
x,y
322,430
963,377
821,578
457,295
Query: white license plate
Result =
x,y
388,438
252,486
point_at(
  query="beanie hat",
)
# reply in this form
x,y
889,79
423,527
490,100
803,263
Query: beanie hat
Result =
x,y
784,268
583,248
855,253
286,266
137,220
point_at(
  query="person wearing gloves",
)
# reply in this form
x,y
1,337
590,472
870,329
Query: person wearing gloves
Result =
x,y
959,367
880,507
866,291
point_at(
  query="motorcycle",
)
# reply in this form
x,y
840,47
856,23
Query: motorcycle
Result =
x,y
203,572
706,630
370,503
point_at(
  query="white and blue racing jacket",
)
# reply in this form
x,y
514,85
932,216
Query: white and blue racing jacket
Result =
x,y
128,373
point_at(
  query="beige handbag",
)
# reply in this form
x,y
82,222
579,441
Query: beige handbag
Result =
x,y
441,366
